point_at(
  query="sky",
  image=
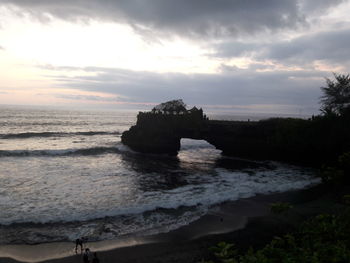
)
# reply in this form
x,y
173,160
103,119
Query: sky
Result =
x,y
256,56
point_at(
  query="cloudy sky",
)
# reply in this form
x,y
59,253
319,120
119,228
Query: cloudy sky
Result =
x,y
264,56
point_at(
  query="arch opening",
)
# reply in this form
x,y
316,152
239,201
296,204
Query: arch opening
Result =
x,y
197,151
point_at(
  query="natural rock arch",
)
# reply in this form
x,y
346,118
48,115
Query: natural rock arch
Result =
x,y
284,139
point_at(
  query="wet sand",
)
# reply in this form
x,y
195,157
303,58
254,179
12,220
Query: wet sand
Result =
x,y
246,222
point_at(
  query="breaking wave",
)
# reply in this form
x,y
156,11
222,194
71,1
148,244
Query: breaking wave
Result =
x,y
26,135
64,152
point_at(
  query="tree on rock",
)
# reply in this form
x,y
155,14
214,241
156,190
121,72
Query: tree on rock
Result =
x,y
336,96
172,106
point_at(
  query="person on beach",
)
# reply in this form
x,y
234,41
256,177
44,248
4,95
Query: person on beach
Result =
x,y
95,259
86,256
78,242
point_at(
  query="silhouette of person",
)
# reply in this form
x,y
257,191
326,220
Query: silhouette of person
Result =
x,y
95,259
86,256
78,242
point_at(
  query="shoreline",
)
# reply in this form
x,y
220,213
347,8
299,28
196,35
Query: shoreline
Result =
x,y
239,221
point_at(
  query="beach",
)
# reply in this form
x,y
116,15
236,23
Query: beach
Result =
x,y
246,222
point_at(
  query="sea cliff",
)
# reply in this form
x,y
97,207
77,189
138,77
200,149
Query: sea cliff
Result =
x,y
308,142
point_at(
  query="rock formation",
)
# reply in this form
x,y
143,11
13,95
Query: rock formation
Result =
x,y
285,139
161,130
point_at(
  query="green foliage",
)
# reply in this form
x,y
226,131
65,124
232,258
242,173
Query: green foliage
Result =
x,y
316,141
346,199
339,173
336,97
331,175
323,239
225,252
280,207
344,161
171,106
206,261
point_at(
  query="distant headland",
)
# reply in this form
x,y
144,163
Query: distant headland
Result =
x,y
293,140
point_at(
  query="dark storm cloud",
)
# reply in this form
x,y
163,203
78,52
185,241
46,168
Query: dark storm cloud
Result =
x,y
182,17
234,49
330,46
231,88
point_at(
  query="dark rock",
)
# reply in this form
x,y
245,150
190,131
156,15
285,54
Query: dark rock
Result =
x,y
306,142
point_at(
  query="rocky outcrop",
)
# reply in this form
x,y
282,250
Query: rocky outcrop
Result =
x,y
309,142
161,133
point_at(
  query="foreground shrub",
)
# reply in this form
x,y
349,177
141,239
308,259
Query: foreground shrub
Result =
x,y
323,239
280,207
339,173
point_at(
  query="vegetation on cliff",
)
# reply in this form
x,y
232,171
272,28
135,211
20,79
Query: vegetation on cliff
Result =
x,y
336,95
172,106
315,141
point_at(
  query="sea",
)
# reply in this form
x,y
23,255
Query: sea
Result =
x,y
65,174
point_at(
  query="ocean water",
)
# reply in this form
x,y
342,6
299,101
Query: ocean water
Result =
x,y
65,174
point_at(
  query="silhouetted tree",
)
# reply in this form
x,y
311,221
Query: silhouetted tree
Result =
x,y
336,96
171,106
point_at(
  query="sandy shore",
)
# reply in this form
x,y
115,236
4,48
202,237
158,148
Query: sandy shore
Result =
x,y
247,222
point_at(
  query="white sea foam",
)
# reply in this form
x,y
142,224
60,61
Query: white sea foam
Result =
x,y
55,197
